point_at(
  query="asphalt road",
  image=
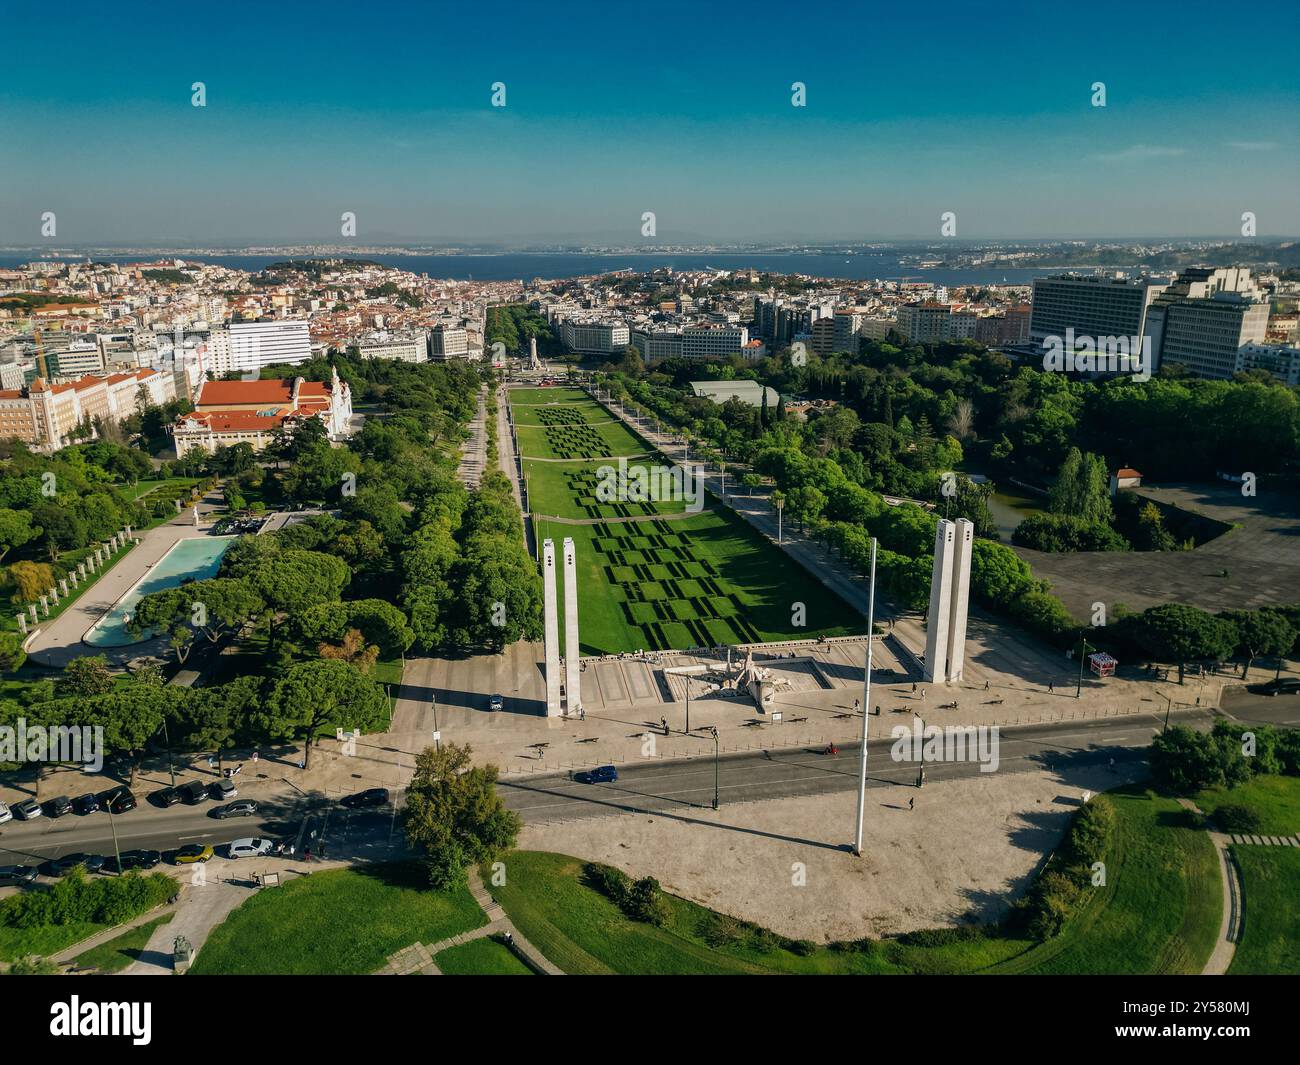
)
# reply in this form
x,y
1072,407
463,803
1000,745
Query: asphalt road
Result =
x,y
1280,710
665,786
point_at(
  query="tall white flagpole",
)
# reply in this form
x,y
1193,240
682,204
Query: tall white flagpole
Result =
x,y
866,703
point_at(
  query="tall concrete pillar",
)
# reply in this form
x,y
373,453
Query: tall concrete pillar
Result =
x,y
936,625
31,609
964,539
572,651
551,629
22,624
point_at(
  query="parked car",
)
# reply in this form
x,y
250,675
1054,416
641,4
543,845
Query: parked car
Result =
x,y
192,853
27,810
251,848
17,874
602,774
85,804
63,866
57,807
165,797
193,793
223,790
5,814
370,797
243,808
496,703
138,859
1281,686
118,801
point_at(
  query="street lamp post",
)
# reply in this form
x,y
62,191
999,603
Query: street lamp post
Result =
x,y
780,509
713,731
1083,654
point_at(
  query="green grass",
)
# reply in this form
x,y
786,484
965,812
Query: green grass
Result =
x,y
1158,913
481,957
1270,940
546,396
342,922
1275,798
1160,909
569,490
143,488
44,940
584,933
704,580
117,953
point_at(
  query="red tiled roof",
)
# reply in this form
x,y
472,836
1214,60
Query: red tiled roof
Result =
x,y
215,393
1127,471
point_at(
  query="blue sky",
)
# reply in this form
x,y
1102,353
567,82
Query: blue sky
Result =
x,y
613,110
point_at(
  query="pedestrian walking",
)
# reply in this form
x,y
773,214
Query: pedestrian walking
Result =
x,y
255,758
986,685
857,705
923,695
664,722
913,687
911,803
1049,688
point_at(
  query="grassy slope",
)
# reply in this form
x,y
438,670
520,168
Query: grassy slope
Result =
x,y
341,922
481,957
1270,940
1275,798
121,951
1160,909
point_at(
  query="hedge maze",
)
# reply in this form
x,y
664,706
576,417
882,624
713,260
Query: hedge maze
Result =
x,y
569,440
582,485
668,589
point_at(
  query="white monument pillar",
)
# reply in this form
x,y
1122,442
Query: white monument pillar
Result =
x,y
551,629
22,624
572,652
965,537
936,625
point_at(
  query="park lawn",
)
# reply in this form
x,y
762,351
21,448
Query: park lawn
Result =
x,y
1274,797
584,933
759,587
1270,934
481,957
578,441
44,940
544,396
143,488
568,490
119,952
1160,909
342,922
525,414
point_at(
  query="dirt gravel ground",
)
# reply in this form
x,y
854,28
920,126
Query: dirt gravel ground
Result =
x,y
967,850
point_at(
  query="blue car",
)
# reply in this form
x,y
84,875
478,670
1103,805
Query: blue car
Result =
x,y
602,774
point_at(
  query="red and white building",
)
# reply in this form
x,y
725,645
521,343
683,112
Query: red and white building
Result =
x,y
252,412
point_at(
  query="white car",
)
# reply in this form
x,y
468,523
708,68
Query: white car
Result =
x,y
250,848
5,815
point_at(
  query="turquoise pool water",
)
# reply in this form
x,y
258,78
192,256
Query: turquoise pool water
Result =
x,y
199,558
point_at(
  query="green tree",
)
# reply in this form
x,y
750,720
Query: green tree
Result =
x,y
454,815
322,695
1259,632
87,676
1173,632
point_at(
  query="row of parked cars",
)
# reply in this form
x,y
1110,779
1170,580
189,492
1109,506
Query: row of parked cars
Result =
x,y
120,800
143,860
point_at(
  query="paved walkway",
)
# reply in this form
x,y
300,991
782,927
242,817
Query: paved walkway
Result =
x,y
200,910
1230,881
473,455
419,959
